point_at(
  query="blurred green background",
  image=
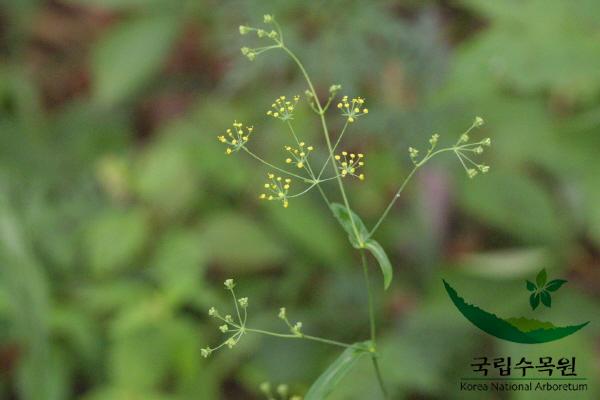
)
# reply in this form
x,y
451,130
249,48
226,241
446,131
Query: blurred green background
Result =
x,y
120,216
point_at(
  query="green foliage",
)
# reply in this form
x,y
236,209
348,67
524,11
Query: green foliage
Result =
x,y
363,241
115,238
119,216
334,374
124,61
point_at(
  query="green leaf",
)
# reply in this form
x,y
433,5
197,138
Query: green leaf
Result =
x,y
115,238
541,278
531,286
343,216
383,260
554,285
515,204
329,379
546,299
129,55
238,243
534,300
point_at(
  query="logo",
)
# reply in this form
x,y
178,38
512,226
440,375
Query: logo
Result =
x,y
520,329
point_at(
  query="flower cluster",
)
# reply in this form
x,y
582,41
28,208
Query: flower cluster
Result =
x,y
296,329
348,164
282,390
283,109
274,35
299,155
461,149
230,326
277,189
352,108
235,138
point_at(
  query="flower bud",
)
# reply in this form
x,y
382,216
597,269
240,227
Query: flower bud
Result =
x,y
205,352
282,313
265,387
229,284
478,122
267,18
244,29
283,390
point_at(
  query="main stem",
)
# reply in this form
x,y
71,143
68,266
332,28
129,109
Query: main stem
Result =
x,y
327,139
373,349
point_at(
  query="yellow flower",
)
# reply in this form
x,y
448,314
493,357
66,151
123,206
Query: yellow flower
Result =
x,y
283,109
299,156
277,189
236,137
352,108
349,163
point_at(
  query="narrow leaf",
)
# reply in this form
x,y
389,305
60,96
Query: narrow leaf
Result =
x,y
130,54
546,299
531,286
343,216
554,285
329,379
541,278
383,260
534,300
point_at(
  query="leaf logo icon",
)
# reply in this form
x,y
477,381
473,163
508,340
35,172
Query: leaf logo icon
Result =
x,y
542,289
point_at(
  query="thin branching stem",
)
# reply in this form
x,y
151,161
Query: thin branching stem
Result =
x,y
307,337
304,179
327,139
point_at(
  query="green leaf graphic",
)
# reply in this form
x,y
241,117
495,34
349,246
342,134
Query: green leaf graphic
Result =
x,y
541,278
555,284
546,299
531,286
534,300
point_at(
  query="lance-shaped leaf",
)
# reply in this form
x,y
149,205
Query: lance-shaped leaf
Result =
x,y
534,300
541,278
343,216
554,285
329,379
531,286
383,260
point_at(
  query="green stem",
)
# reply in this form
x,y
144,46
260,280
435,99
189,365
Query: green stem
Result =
x,y
276,167
373,349
307,337
369,295
379,376
327,139
393,201
337,142
403,185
